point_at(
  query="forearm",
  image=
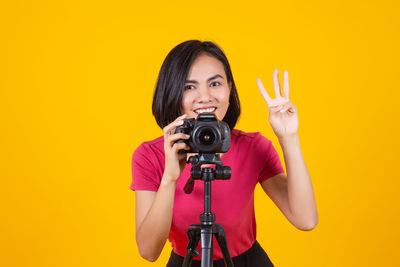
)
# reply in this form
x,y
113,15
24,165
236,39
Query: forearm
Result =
x,y
153,231
300,191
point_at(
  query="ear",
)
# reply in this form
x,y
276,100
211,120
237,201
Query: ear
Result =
x,y
230,86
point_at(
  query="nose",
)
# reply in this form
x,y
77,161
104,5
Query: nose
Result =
x,y
204,94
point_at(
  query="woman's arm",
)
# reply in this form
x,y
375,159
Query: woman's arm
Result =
x,y
153,218
154,209
293,194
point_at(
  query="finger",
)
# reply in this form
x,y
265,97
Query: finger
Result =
x,y
263,92
178,146
286,84
277,89
288,107
276,108
182,156
178,136
181,116
177,122
170,128
292,109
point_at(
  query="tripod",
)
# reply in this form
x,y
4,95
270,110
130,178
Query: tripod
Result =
x,y
207,228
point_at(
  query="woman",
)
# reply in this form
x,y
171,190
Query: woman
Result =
x,y
196,77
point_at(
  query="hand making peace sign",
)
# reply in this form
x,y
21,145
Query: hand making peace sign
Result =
x,y
282,113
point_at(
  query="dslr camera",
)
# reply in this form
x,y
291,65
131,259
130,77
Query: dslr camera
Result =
x,y
207,134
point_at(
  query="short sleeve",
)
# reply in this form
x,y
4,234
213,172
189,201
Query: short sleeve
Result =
x,y
272,165
144,171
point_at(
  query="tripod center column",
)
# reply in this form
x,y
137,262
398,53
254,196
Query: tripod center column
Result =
x,y
208,174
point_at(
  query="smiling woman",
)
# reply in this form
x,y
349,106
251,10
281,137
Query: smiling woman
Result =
x,y
207,88
183,78
195,78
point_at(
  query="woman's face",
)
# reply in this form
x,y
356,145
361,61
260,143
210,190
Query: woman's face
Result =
x,y
206,88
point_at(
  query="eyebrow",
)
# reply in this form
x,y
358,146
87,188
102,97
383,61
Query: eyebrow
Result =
x,y
209,79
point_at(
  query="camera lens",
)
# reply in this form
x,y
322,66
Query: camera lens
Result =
x,y
207,137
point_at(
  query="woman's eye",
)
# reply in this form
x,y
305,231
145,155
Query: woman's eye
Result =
x,y
188,87
215,84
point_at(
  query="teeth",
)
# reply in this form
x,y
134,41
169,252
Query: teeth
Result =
x,y
199,111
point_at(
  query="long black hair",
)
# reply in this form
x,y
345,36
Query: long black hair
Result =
x,y
167,99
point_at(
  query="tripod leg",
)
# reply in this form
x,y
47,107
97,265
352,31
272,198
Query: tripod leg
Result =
x,y
219,232
207,246
194,238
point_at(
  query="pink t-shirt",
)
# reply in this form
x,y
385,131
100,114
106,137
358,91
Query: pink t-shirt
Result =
x,y
252,159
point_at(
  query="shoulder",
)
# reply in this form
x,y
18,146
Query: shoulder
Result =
x,y
155,143
148,148
147,165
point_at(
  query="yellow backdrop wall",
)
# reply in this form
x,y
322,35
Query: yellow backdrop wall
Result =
x,y
76,85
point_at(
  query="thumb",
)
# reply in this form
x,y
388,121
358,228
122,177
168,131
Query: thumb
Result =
x,y
289,107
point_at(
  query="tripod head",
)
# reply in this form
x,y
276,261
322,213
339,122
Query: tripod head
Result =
x,y
221,172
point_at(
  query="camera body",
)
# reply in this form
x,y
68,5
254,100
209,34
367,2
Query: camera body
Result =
x,y
207,134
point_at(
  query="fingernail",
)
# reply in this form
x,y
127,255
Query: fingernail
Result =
x,y
282,110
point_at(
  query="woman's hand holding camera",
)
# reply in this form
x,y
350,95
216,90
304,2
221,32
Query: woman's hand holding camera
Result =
x,y
174,161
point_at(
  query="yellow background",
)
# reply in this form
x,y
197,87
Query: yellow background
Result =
x,y
77,80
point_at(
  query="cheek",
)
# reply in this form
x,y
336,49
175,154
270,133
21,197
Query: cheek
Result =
x,y
225,98
224,104
187,104
185,101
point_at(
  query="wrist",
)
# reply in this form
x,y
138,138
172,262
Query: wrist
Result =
x,y
289,140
